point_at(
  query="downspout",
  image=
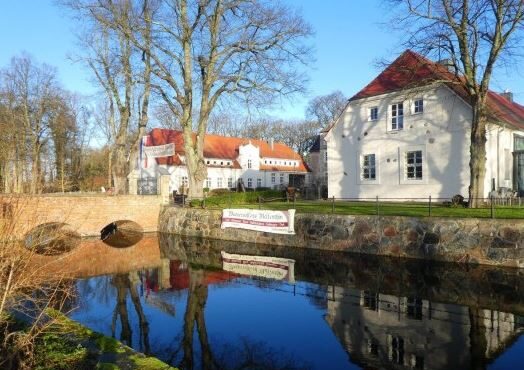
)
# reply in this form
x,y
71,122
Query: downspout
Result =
x,y
499,130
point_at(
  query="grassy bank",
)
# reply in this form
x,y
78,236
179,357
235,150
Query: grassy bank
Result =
x,y
69,345
274,200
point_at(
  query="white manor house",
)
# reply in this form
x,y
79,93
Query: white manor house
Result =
x,y
407,135
230,160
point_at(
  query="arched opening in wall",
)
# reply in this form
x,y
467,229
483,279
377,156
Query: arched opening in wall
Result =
x,y
52,238
121,233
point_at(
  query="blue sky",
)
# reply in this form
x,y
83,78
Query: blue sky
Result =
x,y
350,36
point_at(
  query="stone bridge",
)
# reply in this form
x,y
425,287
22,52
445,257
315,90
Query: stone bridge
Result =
x,y
85,214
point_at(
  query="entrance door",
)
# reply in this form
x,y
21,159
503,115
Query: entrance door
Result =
x,y
518,172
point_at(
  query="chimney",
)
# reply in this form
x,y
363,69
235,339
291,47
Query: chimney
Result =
x,y
448,63
271,143
508,95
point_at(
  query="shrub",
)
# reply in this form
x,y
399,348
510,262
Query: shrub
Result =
x,y
25,291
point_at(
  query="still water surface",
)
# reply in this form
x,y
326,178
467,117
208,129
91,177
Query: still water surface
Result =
x,y
196,308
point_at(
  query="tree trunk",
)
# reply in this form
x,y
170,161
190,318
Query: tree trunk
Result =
x,y
109,167
35,170
477,162
119,168
196,167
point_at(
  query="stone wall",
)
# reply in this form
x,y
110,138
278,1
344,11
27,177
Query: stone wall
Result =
x,y
484,241
85,214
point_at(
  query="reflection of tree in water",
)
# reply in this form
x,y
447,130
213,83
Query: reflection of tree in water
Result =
x,y
196,302
125,286
249,355
256,355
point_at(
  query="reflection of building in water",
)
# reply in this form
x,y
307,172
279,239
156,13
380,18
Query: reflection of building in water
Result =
x,y
174,275
380,330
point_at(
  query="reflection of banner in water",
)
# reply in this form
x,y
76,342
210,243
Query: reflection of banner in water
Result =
x,y
277,222
268,267
166,150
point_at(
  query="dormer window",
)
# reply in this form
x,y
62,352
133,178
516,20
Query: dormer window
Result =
x,y
397,116
373,114
418,106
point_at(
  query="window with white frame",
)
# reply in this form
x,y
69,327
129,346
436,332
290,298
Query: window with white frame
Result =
x,y
418,106
219,182
208,182
281,178
414,165
259,183
249,163
229,182
273,178
250,182
373,114
397,116
369,168
184,181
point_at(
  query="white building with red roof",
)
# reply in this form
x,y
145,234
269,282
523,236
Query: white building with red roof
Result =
x,y
257,163
407,135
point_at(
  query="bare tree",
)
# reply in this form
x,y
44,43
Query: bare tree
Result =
x,y
123,72
473,35
297,134
28,93
324,109
205,50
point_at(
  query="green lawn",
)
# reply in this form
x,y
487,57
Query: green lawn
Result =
x,y
274,200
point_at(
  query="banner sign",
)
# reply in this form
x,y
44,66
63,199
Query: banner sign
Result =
x,y
166,150
277,222
267,267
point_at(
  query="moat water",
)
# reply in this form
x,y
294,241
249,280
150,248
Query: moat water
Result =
x,y
196,307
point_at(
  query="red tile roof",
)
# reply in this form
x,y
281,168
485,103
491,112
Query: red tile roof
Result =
x,y
221,147
412,70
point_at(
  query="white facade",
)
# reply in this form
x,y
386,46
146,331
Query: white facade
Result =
x,y
225,173
373,150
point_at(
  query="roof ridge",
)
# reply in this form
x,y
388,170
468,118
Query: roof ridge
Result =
x,y
411,70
